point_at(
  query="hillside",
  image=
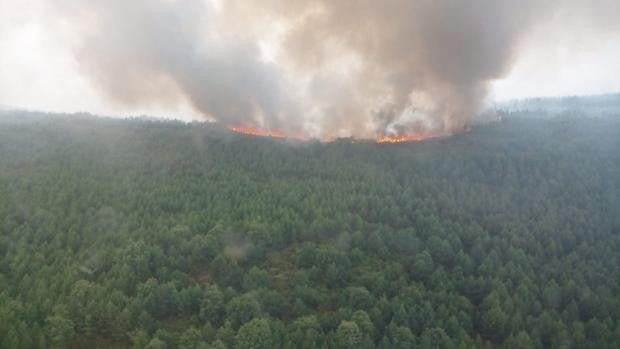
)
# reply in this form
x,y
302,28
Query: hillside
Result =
x,y
159,234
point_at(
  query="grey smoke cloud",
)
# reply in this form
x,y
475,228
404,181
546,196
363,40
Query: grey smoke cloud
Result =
x,y
159,51
346,67
433,58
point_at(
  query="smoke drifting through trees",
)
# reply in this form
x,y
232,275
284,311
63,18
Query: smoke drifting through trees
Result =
x,y
324,68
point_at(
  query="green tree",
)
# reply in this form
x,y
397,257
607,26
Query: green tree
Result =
x,y
435,338
423,265
255,334
60,330
494,323
401,337
242,309
212,305
348,335
10,338
192,338
157,343
255,278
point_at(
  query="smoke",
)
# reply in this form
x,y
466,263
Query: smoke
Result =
x,y
425,63
326,68
158,51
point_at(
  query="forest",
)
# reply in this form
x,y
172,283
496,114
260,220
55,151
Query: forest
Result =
x,y
143,233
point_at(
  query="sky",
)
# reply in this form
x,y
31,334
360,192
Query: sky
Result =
x,y
274,59
567,55
39,71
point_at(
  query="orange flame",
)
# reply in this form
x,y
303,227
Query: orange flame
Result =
x,y
265,133
258,132
403,138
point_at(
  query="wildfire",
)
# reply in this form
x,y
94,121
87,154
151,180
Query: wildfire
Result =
x,y
265,133
403,138
257,132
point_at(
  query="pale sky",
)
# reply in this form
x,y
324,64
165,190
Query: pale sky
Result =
x,y
39,70
564,57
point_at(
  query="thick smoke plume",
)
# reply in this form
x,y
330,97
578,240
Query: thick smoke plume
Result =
x,y
160,51
410,66
325,68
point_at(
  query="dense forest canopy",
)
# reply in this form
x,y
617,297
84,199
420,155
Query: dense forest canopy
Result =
x,y
160,234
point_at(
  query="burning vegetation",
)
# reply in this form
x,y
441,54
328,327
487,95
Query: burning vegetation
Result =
x,y
404,138
258,132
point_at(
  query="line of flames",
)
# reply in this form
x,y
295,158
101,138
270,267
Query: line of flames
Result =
x,y
282,135
403,138
266,133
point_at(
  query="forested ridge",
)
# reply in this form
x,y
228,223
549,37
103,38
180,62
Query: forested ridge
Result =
x,y
160,234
